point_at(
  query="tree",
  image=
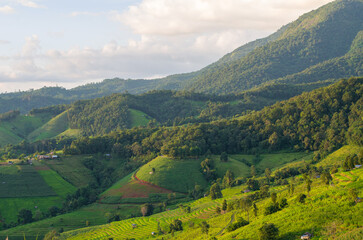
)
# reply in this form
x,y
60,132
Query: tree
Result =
x,y
274,197
245,204
255,209
268,174
215,191
283,203
53,211
147,209
224,157
326,178
25,216
268,232
176,225
224,205
253,171
308,183
301,198
205,227
228,179
218,210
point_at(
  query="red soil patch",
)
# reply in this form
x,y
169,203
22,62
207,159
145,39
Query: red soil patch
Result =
x,y
140,189
41,168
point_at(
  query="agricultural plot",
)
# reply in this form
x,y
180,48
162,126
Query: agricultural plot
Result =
x,y
72,170
24,183
93,215
130,190
176,175
138,118
57,183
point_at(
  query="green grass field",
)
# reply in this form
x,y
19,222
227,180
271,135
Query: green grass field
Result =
x,y
52,128
138,118
16,130
95,214
25,182
57,183
325,208
72,170
337,157
175,175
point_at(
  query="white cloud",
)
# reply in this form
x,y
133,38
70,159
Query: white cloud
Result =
x,y
177,17
173,36
7,9
31,4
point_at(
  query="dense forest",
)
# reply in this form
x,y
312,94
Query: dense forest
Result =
x,y
323,120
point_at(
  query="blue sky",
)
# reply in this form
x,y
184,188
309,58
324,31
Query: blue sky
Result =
x,y
68,43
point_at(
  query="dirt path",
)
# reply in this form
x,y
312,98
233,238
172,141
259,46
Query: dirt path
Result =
x,y
230,222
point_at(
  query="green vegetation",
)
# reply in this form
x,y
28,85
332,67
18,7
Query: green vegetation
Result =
x,y
176,175
57,183
54,127
314,216
72,170
138,118
25,183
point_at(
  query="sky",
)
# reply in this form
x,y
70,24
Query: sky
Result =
x,y
73,42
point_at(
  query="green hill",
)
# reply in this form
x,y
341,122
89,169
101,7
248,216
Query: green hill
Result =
x,y
52,128
17,128
318,214
176,175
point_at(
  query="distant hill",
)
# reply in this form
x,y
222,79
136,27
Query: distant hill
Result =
x,y
320,47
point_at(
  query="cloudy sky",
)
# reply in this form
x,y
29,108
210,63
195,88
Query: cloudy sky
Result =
x,y
72,42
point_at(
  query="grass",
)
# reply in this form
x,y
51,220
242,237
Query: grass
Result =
x,y
16,130
337,157
52,128
57,183
72,170
175,175
9,207
138,118
24,183
95,214
326,207
71,133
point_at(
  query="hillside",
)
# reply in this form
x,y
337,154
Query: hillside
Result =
x,y
316,214
320,47
278,137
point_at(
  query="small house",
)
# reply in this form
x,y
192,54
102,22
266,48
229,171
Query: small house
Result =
x,y
357,166
358,200
134,225
306,236
54,156
246,191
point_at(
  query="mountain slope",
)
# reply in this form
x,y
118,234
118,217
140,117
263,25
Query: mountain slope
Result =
x,y
314,38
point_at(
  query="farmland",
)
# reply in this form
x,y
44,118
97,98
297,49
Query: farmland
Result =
x,y
308,217
26,182
72,170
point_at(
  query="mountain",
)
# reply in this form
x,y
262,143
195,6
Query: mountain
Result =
x,y
317,49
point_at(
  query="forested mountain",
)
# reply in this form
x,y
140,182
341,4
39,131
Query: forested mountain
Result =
x,y
321,46
323,120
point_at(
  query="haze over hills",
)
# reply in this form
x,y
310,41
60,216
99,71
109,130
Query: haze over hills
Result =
x,y
321,46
